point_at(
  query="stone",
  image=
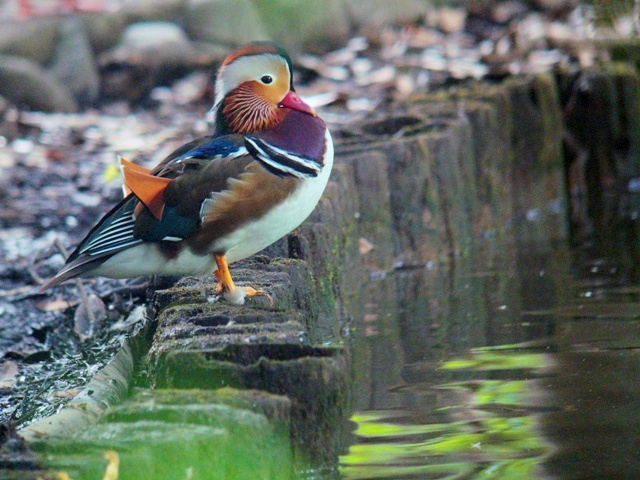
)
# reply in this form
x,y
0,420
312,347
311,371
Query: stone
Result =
x,y
74,64
539,179
148,54
261,345
179,435
318,29
166,405
374,212
154,10
152,42
33,39
231,22
602,146
316,379
104,29
187,320
371,13
27,85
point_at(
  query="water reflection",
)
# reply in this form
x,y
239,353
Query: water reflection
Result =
x,y
519,363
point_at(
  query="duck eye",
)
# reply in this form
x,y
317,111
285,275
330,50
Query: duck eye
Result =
x,y
266,79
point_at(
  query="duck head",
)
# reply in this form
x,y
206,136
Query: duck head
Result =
x,y
254,90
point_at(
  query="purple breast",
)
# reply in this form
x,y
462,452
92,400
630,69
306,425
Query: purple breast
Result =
x,y
298,133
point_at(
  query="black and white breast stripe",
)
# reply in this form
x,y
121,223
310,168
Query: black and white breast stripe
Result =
x,y
282,162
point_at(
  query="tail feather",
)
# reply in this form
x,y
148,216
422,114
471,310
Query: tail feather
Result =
x,y
73,270
113,234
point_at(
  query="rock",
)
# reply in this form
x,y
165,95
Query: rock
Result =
x,y
26,85
434,209
15,456
187,320
327,240
316,379
230,22
300,25
148,54
538,182
74,64
418,204
34,39
374,214
105,29
164,404
152,42
154,10
602,147
556,4
260,346
8,121
368,13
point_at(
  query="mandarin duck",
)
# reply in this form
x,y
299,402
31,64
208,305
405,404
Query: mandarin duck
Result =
x,y
223,197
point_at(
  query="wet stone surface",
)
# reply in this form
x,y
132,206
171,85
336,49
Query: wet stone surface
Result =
x,y
315,379
201,342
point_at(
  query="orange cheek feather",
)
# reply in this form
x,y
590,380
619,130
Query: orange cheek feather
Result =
x,y
275,92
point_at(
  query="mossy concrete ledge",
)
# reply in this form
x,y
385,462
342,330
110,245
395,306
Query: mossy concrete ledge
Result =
x,y
263,345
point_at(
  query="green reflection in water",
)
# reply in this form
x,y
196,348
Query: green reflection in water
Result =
x,y
174,437
482,359
491,434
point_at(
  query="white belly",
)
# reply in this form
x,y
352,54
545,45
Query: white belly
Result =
x,y
280,220
147,259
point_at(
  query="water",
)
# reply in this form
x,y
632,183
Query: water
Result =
x,y
521,362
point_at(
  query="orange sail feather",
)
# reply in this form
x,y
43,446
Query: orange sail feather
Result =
x,y
149,189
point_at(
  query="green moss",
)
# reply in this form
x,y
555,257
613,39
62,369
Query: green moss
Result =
x,y
546,98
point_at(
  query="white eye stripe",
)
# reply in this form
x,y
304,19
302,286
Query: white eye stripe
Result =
x,y
243,69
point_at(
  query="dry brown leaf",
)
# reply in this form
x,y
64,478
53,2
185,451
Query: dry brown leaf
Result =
x,y
54,305
8,373
89,317
67,394
365,246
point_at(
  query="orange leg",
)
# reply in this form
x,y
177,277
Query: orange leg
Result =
x,y
227,288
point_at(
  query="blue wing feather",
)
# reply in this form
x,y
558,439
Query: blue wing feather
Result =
x,y
221,147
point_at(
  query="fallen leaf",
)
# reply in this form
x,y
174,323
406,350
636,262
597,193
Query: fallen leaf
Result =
x,y
54,305
365,246
67,394
8,373
371,317
89,317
